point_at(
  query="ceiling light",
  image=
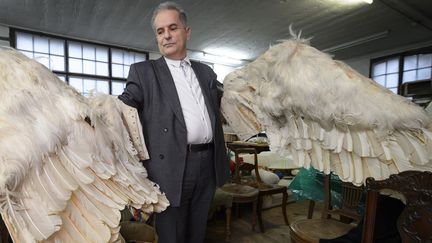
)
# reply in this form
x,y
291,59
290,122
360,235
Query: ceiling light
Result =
x,y
356,1
214,58
358,41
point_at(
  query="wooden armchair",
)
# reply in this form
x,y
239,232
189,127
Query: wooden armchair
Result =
x,y
415,222
333,222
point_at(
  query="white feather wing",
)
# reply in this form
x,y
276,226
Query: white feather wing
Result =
x,y
68,164
311,106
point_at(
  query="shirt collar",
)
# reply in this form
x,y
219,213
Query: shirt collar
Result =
x,y
176,63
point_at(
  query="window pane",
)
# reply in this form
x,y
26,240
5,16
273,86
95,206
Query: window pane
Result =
x,y
425,60
56,47
410,62
42,58
76,83
117,70
139,57
57,63
409,76
392,80
379,69
41,44
117,87
75,50
27,53
75,65
125,71
89,86
102,68
393,65
424,73
89,67
89,52
128,58
102,86
394,90
380,80
24,42
102,54
117,56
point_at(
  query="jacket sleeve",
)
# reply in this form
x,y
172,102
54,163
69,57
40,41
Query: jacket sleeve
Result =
x,y
132,94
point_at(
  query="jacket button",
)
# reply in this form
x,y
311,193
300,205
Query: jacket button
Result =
x,y
161,156
165,129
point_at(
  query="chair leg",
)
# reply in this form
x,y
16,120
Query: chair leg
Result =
x,y
284,203
259,209
311,209
254,214
228,223
237,210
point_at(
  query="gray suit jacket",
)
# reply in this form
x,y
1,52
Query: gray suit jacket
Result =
x,y
151,89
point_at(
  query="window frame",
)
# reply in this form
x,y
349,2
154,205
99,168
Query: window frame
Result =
x,y
401,56
66,73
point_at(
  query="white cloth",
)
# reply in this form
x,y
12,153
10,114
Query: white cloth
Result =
x,y
195,112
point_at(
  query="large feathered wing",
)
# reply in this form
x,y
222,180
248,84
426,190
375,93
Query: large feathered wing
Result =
x,y
68,164
327,115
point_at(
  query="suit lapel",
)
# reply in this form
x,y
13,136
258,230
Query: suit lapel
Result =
x,y
205,89
169,90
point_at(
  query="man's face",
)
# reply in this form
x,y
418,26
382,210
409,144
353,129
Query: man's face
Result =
x,y
171,34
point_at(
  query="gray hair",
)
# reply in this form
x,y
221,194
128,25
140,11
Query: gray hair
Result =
x,y
169,6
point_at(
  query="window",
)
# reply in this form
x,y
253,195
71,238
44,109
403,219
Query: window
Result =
x,y
386,73
417,67
88,67
48,51
121,61
394,71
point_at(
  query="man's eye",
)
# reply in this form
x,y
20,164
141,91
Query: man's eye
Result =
x,y
173,28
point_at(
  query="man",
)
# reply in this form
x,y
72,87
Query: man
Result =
x,y
177,100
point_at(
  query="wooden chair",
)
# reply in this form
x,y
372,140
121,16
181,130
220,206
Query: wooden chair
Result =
x,y
264,189
334,222
415,222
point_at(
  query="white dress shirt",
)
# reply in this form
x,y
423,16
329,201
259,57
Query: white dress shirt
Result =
x,y
194,109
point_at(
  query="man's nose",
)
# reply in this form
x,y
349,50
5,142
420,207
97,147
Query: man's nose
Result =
x,y
167,34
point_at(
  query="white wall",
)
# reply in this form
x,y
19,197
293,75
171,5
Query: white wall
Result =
x,y
361,64
4,33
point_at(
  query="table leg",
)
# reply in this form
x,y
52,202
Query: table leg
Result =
x,y
228,223
284,203
311,209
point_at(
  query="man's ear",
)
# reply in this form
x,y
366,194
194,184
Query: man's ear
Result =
x,y
188,32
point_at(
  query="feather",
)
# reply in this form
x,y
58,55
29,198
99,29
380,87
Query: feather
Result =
x,y
62,177
109,216
360,144
373,166
317,157
295,86
83,175
67,167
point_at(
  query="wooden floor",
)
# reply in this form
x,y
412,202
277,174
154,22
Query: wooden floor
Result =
x,y
241,232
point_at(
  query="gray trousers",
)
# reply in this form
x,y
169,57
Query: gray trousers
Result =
x,y
188,223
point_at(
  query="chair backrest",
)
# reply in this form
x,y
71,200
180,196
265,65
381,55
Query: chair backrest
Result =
x,y
350,201
415,222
